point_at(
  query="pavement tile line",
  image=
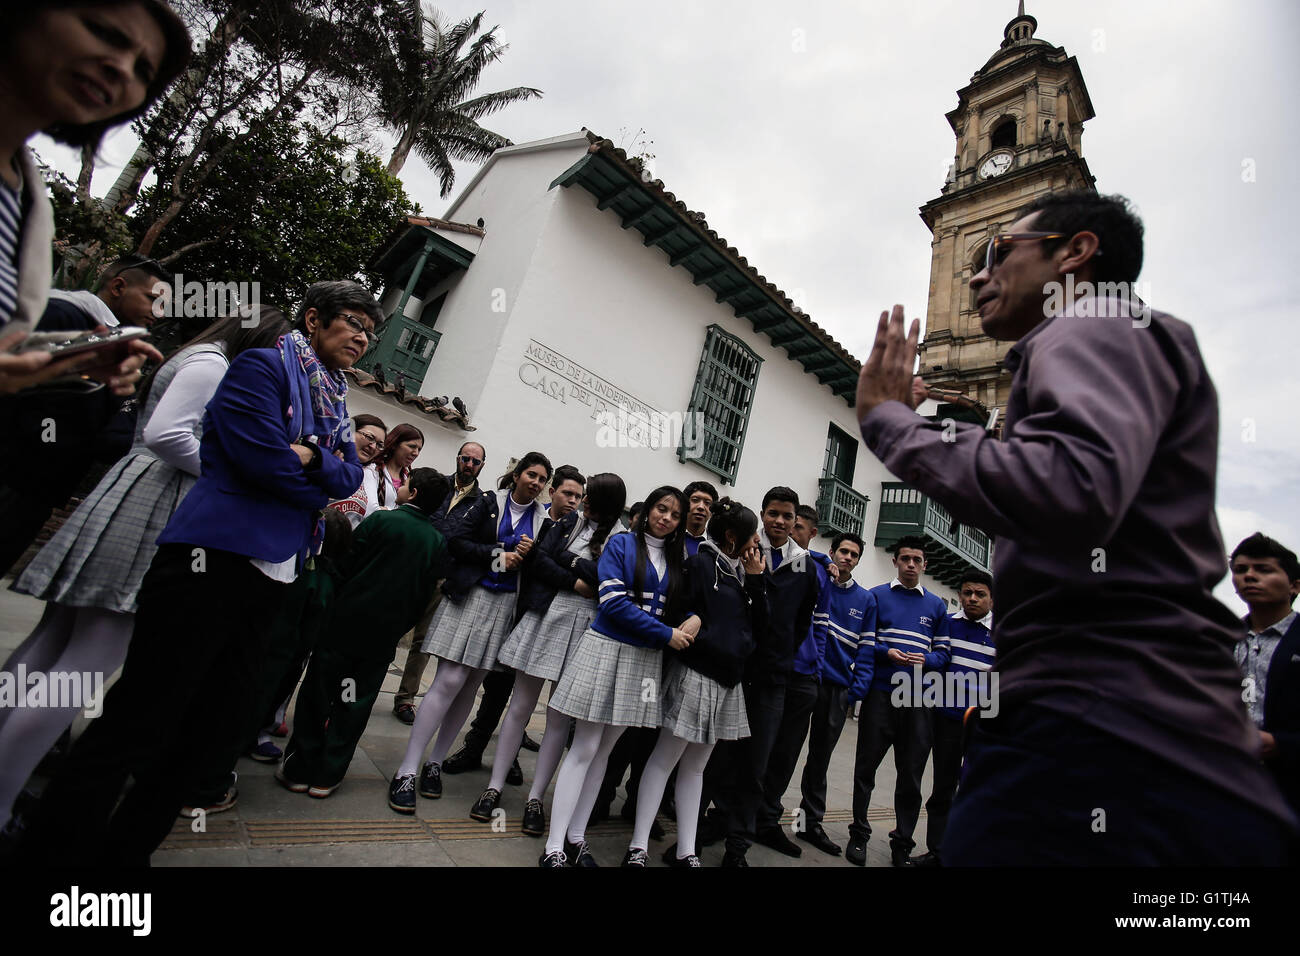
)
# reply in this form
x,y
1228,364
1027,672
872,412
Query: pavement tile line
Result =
x,y
262,833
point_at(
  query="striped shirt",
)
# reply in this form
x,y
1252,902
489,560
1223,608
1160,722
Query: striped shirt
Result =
x,y
972,652
11,221
910,620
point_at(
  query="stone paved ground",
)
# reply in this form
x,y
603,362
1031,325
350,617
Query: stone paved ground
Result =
x,y
272,827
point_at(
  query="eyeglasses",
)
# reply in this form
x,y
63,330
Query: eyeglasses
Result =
x,y
370,438
1000,245
358,325
470,460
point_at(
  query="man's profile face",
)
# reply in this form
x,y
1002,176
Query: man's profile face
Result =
x,y
1262,582
803,533
1010,299
778,521
909,563
131,297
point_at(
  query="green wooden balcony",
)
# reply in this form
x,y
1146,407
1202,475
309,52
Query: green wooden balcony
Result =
x,y
951,550
840,509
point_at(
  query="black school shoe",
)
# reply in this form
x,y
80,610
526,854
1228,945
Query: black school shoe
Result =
x,y
900,856
463,760
534,818
515,775
636,858
431,781
579,854
856,851
529,744
774,838
552,861
401,794
482,809
927,859
816,836
690,862
730,859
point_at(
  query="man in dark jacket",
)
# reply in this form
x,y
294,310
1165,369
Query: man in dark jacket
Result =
x,y
1115,660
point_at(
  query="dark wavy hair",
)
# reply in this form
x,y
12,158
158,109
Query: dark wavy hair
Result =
x,y
532,458
674,548
606,496
176,56
731,516
399,434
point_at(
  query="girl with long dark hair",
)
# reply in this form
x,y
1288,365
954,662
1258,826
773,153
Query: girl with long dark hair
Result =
x,y
611,680
564,569
489,544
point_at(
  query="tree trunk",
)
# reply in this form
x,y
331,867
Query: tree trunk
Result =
x,y
86,174
401,150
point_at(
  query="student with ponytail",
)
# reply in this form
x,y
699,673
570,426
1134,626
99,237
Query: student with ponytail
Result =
x,y
724,589
558,604
611,681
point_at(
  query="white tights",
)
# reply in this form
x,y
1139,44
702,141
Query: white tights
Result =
x,y
579,784
548,758
67,639
522,703
669,749
444,710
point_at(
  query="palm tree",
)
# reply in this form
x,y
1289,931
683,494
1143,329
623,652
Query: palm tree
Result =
x,y
422,90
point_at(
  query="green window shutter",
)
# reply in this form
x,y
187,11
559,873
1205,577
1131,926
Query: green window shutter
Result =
x,y
720,404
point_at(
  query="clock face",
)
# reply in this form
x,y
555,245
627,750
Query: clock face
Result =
x,y
995,165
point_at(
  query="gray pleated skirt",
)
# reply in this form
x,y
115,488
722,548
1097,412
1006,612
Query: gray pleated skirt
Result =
x,y
471,632
541,644
609,682
100,555
699,709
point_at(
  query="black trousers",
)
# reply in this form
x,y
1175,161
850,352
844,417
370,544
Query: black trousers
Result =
x,y
189,677
796,713
907,730
828,718
946,737
497,687
736,771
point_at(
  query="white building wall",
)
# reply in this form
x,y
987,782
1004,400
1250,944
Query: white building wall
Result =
x,y
590,291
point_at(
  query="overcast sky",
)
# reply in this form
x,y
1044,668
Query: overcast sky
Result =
x,y
809,134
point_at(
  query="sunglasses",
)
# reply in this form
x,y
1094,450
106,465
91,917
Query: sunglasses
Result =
x,y
470,460
1000,245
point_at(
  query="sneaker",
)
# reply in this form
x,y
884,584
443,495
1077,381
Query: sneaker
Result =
x,y
462,761
293,786
515,775
266,752
900,856
552,860
534,818
579,854
401,793
320,793
227,801
431,781
405,713
529,744
489,801
774,838
636,858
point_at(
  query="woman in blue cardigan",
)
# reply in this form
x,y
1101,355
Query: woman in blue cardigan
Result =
x,y
611,682
489,544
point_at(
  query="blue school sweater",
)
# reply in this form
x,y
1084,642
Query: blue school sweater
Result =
x,y
972,652
911,622
810,655
851,639
622,615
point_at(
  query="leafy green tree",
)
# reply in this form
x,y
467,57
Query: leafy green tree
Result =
x,y
424,87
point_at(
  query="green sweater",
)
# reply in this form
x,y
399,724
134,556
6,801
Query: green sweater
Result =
x,y
388,579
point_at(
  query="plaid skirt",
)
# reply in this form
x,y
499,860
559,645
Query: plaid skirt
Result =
x,y
699,709
608,682
471,632
100,555
541,644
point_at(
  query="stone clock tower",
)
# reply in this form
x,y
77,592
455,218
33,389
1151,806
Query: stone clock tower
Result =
x,y
1019,126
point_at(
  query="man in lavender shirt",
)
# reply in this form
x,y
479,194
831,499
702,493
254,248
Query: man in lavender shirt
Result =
x,y
1121,736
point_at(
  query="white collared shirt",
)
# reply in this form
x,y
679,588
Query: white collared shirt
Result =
x,y
918,589
986,620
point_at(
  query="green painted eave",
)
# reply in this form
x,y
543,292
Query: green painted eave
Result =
x,y
396,261
644,207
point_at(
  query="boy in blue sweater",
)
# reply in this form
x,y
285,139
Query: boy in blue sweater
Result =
x,y
845,677
911,634
970,633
